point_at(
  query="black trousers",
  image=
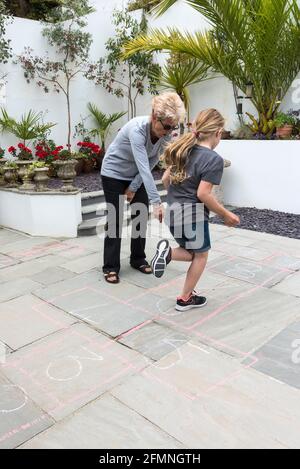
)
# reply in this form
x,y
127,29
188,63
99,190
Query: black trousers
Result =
x,y
114,196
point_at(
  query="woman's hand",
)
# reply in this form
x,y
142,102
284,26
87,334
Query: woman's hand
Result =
x,y
158,212
129,195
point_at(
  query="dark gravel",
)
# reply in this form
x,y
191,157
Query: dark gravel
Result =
x,y
90,182
266,221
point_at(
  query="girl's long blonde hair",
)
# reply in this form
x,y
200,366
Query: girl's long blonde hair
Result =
x,y
206,124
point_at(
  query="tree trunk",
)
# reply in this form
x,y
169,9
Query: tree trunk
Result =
x,y
69,115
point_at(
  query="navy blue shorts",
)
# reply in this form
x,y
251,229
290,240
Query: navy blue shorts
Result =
x,y
194,237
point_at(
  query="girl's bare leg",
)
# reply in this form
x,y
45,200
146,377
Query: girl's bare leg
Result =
x,y
181,254
194,273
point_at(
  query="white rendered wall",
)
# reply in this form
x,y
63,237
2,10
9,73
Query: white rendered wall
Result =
x,y
263,174
20,96
55,215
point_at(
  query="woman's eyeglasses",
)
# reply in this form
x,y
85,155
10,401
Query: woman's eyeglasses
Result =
x,y
168,127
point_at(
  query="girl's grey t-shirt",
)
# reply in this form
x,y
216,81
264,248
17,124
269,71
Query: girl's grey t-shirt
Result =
x,y
132,156
203,164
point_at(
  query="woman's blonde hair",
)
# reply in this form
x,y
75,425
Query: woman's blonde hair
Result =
x,y
168,106
206,124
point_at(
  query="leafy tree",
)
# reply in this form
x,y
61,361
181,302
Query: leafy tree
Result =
x,y
125,77
28,127
251,41
71,44
5,49
32,9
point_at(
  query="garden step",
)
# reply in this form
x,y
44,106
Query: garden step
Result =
x,y
93,226
94,210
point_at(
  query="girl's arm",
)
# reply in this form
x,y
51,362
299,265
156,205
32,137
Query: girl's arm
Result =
x,y
204,195
166,178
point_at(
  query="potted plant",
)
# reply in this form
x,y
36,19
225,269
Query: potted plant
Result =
x,y
284,124
23,157
47,151
90,152
79,157
65,164
41,178
2,163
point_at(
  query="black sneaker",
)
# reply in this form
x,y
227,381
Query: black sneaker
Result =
x,y
194,301
162,258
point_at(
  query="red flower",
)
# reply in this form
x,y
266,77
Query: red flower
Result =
x,y
11,149
21,146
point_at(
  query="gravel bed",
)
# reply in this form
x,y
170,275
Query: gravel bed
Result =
x,y
90,182
266,221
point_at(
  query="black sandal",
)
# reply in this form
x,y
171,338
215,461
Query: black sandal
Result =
x,y
142,268
110,275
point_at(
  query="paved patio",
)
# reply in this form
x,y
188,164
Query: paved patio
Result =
x,y
84,364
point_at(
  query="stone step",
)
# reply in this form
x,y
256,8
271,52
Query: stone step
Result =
x,y
94,226
96,210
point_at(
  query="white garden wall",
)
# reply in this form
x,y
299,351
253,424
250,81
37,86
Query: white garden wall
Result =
x,y
263,174
55,215
20,96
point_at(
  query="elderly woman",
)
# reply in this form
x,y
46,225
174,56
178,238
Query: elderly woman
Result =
x,y
126,172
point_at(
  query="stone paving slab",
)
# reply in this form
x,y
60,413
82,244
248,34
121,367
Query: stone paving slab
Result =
x,y
27,319
20,418
70,368
15,288
280,357
245,410
218,297
29,268
84,263
246,324
249,271
154,341
104,424
236,250
52,275
6,261
132,305
4,351
29,247
9,236
290,285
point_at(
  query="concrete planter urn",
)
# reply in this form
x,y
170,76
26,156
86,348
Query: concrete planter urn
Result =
x,y
23,169
217,190
41,179
2,163
66,172
10,177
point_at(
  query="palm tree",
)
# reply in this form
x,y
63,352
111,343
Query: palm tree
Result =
x,y
180,72
102,122
27,128
251,41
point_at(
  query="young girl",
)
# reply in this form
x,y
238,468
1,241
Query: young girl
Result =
x,y
193,169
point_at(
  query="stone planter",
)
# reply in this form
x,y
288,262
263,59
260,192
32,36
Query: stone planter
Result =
x,y
285,131
2,163
52,173
41,179
10,177
23,170
217,190
79,166
88,166
66,172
